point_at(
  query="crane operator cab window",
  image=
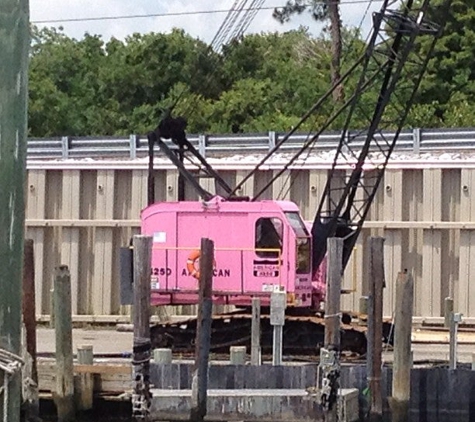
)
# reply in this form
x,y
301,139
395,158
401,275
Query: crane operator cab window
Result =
x,y
303,242
268,236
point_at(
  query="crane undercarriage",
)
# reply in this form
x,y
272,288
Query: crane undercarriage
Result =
x,y
303,334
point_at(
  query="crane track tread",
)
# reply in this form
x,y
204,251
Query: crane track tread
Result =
x,y
288,318
303,334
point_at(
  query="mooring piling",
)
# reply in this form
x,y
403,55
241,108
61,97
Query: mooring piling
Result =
x,y
256,332
84,385
329,367
162,356
375,327
30,377
199,386
237,355
64,395
333,296
142,349
401,383
14,59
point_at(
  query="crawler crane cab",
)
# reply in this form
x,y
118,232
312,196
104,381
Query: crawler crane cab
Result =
x,y
260,247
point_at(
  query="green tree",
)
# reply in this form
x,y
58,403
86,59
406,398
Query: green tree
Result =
x,y
321,11
449,84
90,87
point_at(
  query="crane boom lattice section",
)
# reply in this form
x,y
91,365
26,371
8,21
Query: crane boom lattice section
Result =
x,y
393,71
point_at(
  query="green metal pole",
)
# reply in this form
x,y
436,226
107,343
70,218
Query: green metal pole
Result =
x,y
14,46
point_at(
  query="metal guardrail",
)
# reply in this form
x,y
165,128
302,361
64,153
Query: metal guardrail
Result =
x,y
414,141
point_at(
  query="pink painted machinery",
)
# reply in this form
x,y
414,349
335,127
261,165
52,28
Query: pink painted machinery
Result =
x,y
260,247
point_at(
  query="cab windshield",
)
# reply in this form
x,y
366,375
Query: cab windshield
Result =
x,y
303,242
268,237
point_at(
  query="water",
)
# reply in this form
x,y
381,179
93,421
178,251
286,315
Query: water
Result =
x,y
95,419
91,418
103,412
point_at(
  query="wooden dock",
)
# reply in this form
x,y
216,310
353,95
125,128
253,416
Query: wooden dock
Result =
x,y
113,382
112,379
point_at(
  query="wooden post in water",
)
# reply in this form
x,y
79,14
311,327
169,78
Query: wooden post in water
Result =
x,y
51,307
329,367
199,386
14,59
332,300
256,332
29,310
84,387
375,327
142,350
30,388
64,395
399,402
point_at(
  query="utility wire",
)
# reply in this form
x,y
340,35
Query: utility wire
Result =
x,y
248,17
169,14
215,42
220,39
233,16
226,33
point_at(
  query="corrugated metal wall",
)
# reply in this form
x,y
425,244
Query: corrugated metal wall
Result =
x,y
80,217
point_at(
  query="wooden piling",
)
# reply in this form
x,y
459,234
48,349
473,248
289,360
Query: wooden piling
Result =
x,y
163,356
363,310
30,381
142,349
375,327
332,324
401,386
237,355
84,386
28,305
51,306
203,333
64,395
332,299
14,59
256,332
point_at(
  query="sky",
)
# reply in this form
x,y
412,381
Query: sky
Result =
x,y
203,26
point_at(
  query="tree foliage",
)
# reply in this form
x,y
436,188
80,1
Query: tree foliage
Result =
x,y
449,86
318,9
321,11
259,82
85,87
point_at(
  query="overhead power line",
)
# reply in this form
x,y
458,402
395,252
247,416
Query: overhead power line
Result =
x,y
171,14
